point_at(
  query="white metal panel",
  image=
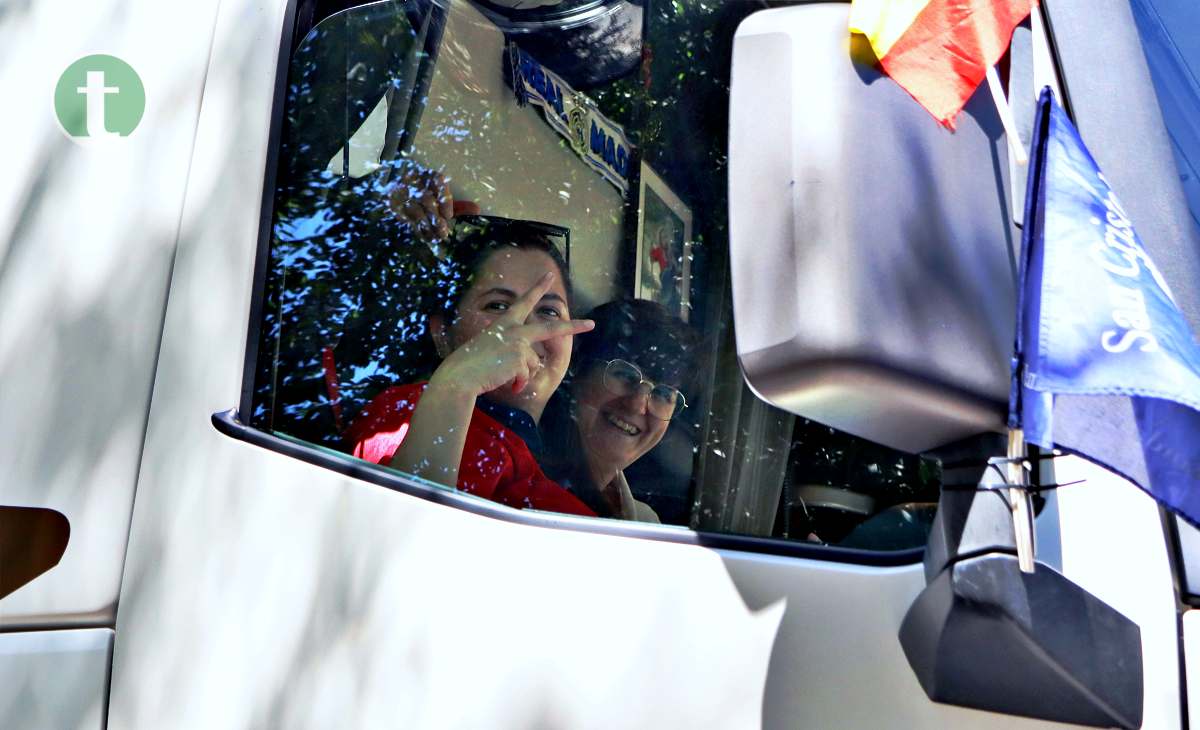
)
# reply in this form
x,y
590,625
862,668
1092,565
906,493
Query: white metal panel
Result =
x,y
54,680
1114,545
264,592
1191,657
87,235
306,600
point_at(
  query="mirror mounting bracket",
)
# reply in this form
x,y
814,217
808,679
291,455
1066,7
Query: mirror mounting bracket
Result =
x,y
985,634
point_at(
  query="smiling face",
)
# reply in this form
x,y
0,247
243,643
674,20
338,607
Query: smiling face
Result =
x,y
614,430
501,278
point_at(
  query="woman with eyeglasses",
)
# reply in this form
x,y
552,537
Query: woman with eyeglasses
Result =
x,y
620,395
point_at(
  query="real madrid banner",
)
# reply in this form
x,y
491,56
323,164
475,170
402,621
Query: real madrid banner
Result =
x,y
598,140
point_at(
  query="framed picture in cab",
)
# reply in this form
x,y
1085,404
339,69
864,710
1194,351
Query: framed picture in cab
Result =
x,y
664,246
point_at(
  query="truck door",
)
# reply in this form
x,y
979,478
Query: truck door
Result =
x,y
274,579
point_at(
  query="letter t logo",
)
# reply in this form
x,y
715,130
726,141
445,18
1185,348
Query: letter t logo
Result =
x,y
98,98
95,92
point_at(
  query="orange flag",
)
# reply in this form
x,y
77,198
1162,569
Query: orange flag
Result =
x,y
938,50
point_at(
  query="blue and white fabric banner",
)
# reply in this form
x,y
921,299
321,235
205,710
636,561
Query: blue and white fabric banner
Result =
x,y
600,141
1097,318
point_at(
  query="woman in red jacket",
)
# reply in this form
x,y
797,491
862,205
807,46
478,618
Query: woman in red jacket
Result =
x,y
503,329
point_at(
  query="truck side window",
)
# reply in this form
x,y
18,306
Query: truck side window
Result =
x,y
435,153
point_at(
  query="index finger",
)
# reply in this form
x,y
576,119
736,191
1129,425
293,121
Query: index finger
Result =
x,y
539,331
520,308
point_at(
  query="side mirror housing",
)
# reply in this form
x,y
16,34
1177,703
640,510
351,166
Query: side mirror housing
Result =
x,y
873,258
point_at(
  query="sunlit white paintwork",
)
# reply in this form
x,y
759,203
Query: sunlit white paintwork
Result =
x,y
1191,654
87,236
54,680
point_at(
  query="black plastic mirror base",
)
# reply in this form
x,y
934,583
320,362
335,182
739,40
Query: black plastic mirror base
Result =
x,y
987,636
968,521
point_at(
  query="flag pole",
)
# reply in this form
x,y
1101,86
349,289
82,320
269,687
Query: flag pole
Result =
x,y
1019,502
1006,117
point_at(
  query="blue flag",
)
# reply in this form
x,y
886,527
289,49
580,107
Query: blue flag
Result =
x,y
1097,318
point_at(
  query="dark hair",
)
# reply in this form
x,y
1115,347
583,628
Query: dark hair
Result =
x,y
640,331
472,246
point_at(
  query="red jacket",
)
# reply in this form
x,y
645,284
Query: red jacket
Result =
x,y
496,462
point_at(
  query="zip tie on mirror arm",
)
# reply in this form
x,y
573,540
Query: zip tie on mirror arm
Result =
x,y
1001,490
1003,485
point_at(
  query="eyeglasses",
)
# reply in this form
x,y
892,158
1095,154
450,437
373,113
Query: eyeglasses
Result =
x,y
623,378
467,225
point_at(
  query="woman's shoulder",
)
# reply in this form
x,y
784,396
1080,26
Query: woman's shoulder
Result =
x,y
394,400
376,433
644,512
398,396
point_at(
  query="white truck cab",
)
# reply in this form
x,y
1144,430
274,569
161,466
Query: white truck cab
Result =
x,y
197,304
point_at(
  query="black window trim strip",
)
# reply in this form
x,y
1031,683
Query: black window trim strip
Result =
x,y
229,422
